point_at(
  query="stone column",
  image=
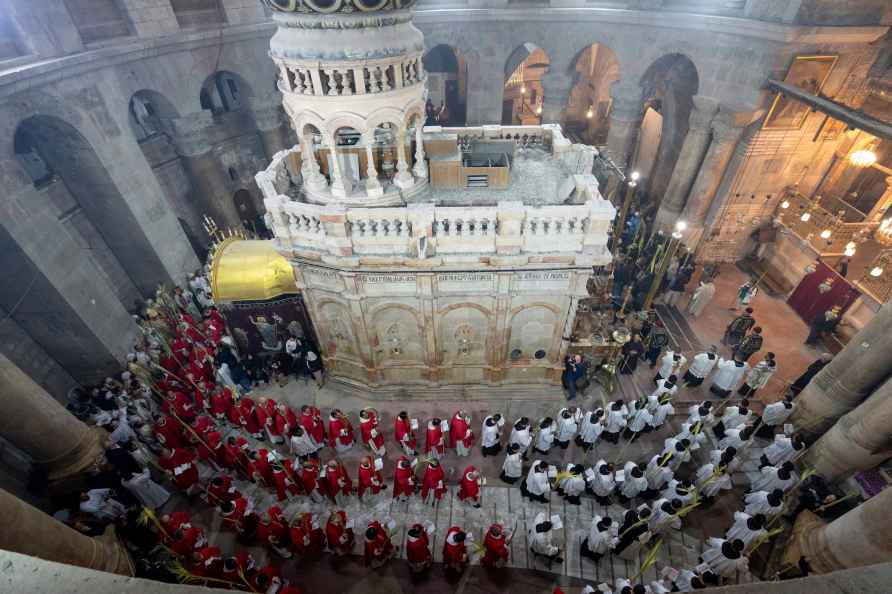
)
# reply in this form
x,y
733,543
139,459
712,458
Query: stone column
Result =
x,y
725,134
269,124
689,159
338,187
309,168
876,213
29,531
37,424
858,538
372,185
556,88
403,177
420,169
625,121
847,379
859,440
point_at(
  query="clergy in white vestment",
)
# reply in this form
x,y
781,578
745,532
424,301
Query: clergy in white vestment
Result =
x,y
701,366
639,419
301,444
664,515
540,538
520,435
712,479
567,425
591,429
737,414
702,295
680,450
149,493
664,409
572,486
737,437
544,436
491,434
670,364
601,482
693,432
784,449
777,413
537,486
633,481
676,489
728,376
101,505
602,537
772,477
725,557
658,473
758,375
615,421
769,504
512,467
665,387
747,528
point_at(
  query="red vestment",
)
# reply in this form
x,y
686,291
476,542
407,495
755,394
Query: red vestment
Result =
x,y
434,481
221,403
340,430
311,420
169,433
459,431
340,538
496,547
274,527
279,478
455,554
434,439
293,483
370,479
470,486
220,489
181,464
209,562
309,476
403,479
180,405
307,540
173,521
379,549
337,481
403,431
368,427
418,551
190,539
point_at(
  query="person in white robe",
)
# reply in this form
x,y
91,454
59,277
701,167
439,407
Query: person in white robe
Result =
x,y
301,444
693,432
784,449
772,477
602,537
123,432
150,494
615,421
520,435
747,528
701,366
670,364
544,436
726,457
491,435
712,480
664,515
701,297
659,416
633,482
676,489
512,466
688,581
777,413
572,486
592,427
737,438
658,474
728,376
540,537
665,387
601,481
737,414
567,426
622,585
769,504
759,375
680,450
725,557
537,486
639,419
100,504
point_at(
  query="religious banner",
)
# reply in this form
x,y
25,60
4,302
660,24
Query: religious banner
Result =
x,y
264,326
820,291
809,73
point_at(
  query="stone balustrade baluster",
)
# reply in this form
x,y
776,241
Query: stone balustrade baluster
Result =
x,y
347,83
420,168
359,81
472,227
447,228
332,84
299,86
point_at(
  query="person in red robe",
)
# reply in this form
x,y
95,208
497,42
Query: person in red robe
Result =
x,y
220,403
179,404
370,482
169,432
496,548
435,441
469,489
180,464
434,484
234,455
286,420
455,552
340,431
273,532
238,515
461,437
202,424
339,534
403,479
309,476
252,418
293,483
172,522
208,562
311,420
187,541
418,552
405,434
307,537
338,483
279,478
240,564
272,429
220,489
378,548
371,434
265,578
260,467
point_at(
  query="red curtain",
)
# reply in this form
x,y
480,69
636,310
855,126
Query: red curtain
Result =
x,y
808,301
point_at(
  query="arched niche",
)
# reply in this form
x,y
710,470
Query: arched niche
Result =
x,y
523,93
447,76
595,69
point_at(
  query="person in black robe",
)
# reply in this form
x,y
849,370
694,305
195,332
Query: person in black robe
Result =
x,y
738,328
657,342
812,371
627,533
632,351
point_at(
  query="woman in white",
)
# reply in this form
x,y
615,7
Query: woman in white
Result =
x,y
759,375
728,376
544,436
592,426
150,493
701,367
520,435
747,528
567,425
725,557
512,467
703,294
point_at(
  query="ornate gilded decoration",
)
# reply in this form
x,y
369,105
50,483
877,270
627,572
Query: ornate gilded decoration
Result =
x,y
247,270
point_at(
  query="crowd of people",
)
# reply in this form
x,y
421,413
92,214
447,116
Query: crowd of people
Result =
x,y
186,406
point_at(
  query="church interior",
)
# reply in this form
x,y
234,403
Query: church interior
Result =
x,y
446,296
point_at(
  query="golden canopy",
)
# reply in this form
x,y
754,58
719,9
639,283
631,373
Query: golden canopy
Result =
x,y
250,270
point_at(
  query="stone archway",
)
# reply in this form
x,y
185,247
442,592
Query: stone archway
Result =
x,y
447,74
523,93
586,113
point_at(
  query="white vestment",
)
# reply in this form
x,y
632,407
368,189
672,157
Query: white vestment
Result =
x,y
780,451
702,365
776,414
513,465
591,428
757,503
537,482
545,438
566,428
150,493
717,561
669,365
601,542
740,530
729,374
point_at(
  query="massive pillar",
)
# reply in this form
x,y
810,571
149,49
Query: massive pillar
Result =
x,y
848,378
556,87
725,134
269,122
860,537
689,159
625,121
29,531
859,440
37,424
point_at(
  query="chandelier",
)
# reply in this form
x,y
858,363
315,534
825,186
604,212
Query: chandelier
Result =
x,y
863,158
884,232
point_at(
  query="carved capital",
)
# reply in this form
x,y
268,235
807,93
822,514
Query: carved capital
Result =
x,y
703,112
